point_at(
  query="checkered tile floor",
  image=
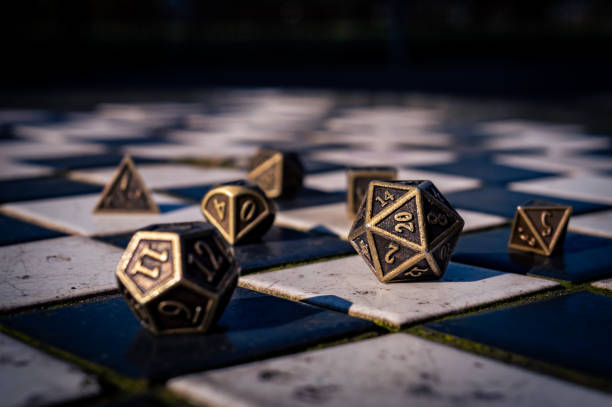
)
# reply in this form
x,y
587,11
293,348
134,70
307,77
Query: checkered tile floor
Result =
x,y
309,323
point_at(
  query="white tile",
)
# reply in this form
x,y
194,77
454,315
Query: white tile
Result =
x,y
165,175
565,164
554,143
585,188
165,151
29,149
598,223
348,285
511,127
605,284
479,220
392,370
74,214
336,180
327,218
33,378
352,157
55,269
11,170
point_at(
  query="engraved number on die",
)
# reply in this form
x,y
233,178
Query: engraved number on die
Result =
x,y
437,219
545,220
173,308
525,237
389,257
247,211
387,197
147,251
220,208
405,222
200,247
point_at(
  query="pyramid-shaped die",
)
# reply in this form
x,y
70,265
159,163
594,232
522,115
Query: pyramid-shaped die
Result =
x,y
405,230
177,278
539,227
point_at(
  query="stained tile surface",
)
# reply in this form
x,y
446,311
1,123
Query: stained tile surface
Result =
x,y
393,370
586,187
32,378
553,331
254,325
55,269
348,285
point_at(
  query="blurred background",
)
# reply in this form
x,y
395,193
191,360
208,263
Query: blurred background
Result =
x,y
544,48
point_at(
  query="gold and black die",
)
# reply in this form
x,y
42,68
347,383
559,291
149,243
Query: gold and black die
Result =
x,y
357,181
539,227
239,210
177,278
405,231
279,174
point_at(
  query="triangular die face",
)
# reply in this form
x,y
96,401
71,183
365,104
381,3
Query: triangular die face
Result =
x,y
126,192
268,175
547,222
437,218
361,245
419,271
267,179
522,237
391,254
359,219
249,210
442,253
403,222
436,194
382,197
218,211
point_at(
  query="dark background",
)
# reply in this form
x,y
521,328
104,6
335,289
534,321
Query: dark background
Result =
x,y
510,47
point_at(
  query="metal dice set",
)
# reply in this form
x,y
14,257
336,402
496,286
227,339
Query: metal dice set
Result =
x,y
178,278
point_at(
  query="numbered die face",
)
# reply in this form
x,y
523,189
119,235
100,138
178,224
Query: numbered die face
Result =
x,y
279,174
238,212
177,278
358,180
403,232
539,227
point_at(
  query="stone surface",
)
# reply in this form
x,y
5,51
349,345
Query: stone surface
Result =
x,y
561,164
393,370
598,223
55,269
30,150
605,284
485,170
74,214
336,180
17,231
503,202
72,162
253,326
582,258
27,189
157,176
348,285
32,378
572,331
14,170
591,188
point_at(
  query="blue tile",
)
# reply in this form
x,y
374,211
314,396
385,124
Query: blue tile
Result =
x,y
13,231
503,202
317,167
87,161
26,189
311,197
583,257
253,326
194,193
486,170
279,246
572,331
